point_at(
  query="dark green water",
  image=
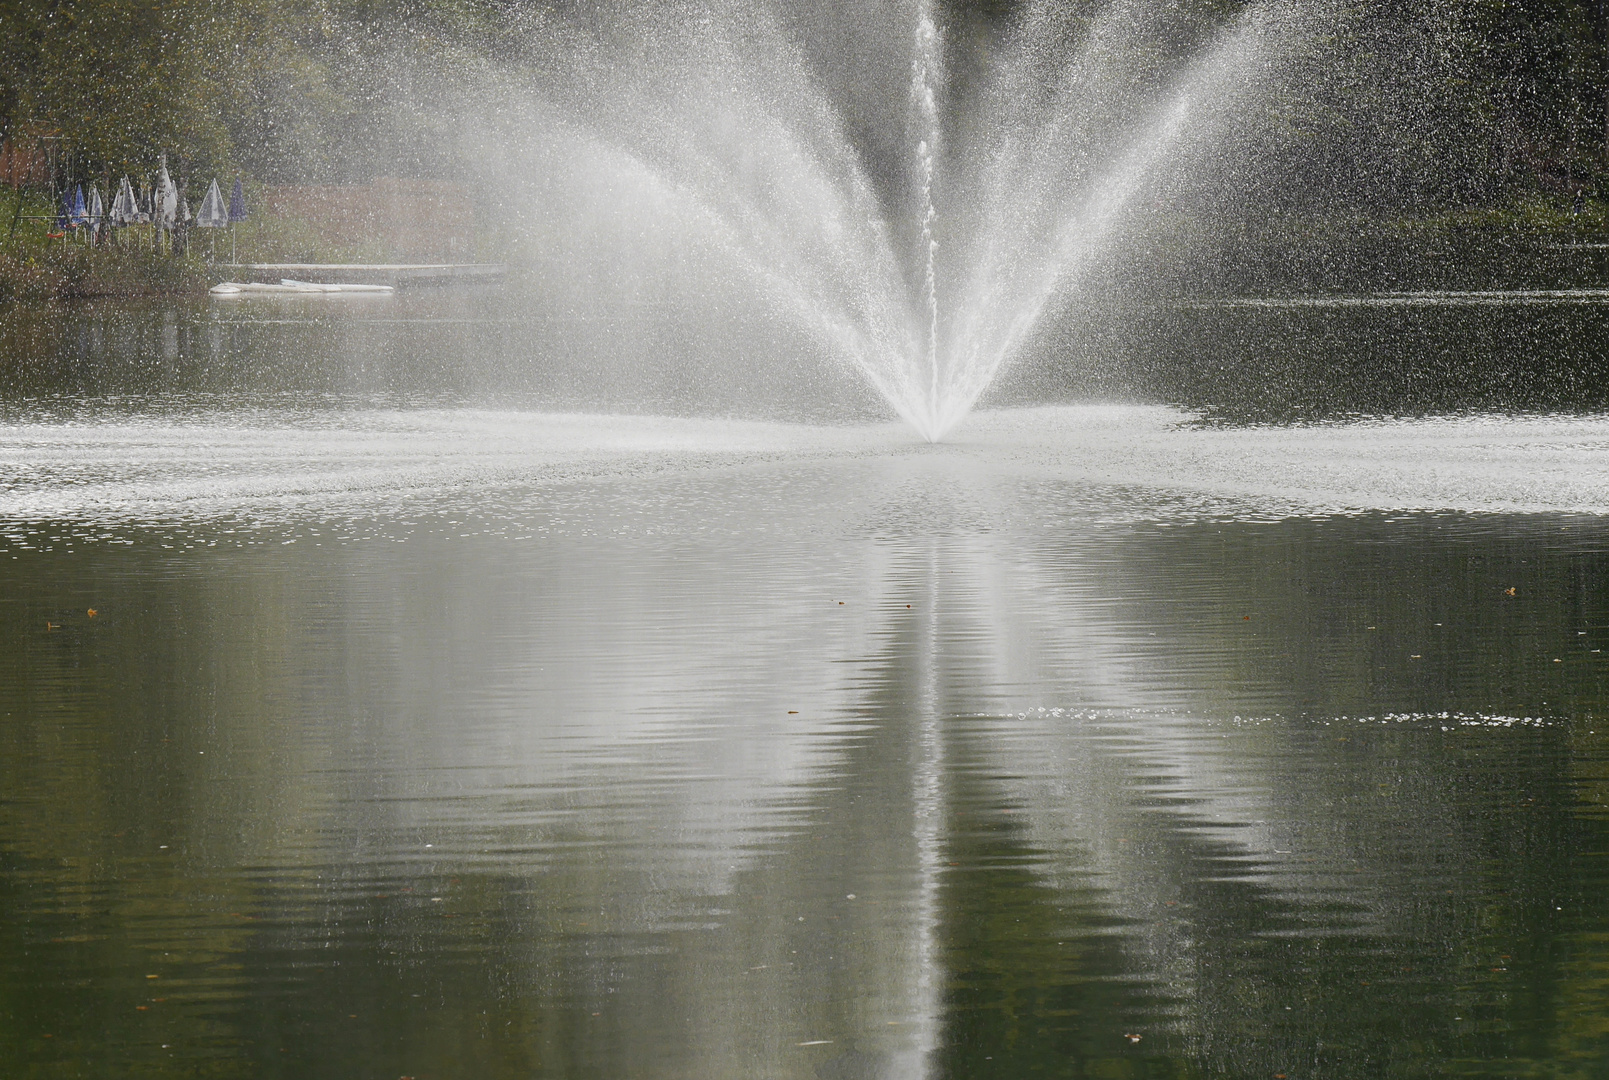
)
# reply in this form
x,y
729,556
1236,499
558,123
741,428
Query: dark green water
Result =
x,y
823,755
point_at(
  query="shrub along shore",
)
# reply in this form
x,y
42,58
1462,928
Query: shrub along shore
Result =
x,y
1539,244
76,272
37,263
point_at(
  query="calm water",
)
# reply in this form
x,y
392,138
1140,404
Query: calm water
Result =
x,y
351,730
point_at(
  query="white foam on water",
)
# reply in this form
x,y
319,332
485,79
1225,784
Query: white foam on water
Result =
x,y
1475,464
206,466
209,465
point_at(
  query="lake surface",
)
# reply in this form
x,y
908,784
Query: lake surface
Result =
x,y
382,719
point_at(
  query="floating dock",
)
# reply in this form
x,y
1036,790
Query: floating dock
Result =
x,y
369,273
237,288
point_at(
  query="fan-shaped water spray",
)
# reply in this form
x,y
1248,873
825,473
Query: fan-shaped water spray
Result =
x,y
733,164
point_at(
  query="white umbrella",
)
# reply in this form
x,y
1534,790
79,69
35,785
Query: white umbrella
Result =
x,y
214,212
123,203
165,203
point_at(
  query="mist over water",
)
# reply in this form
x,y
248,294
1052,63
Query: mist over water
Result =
x,y
671,167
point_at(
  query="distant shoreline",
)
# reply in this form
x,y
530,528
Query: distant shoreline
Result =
x,y
79,273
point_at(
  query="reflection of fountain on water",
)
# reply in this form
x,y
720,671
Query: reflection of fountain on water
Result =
x,y
629,708
931,817
689,173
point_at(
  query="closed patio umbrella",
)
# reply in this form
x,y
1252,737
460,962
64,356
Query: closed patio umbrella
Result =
x,y
213,213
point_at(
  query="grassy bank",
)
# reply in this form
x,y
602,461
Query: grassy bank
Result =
x,y
1532,243
76,271
35,267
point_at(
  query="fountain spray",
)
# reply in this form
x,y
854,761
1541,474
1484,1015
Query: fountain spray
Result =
x,y
925,73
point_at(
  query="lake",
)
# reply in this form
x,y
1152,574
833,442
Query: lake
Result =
x,y
387,692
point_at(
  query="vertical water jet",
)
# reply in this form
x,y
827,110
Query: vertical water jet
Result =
x,y
925,73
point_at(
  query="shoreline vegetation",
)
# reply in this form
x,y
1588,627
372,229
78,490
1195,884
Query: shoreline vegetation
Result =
x,y
38,264
1405,145
76,272
1534,245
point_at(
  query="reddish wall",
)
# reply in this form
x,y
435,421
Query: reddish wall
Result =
x,y
23,161
413,220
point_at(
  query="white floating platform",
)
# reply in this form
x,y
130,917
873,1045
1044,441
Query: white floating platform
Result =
x,y
289,285
371,273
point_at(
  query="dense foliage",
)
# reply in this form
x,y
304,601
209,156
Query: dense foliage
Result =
x,y
1457,103
1408,105
289,89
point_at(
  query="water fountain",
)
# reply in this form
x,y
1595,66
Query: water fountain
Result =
x,y
395,729
913,230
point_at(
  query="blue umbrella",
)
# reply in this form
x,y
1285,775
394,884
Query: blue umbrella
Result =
x,y
78,213
64,219
237,203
